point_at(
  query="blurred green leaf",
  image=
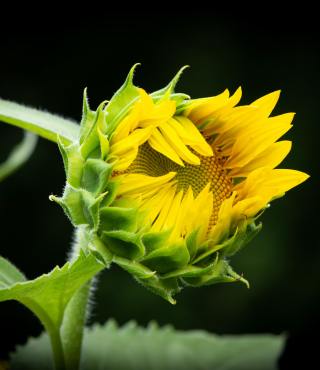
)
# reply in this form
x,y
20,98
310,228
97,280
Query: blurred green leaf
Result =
x,y
39,122
18,156
9,274
134,348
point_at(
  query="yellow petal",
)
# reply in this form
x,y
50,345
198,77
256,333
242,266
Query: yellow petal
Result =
x,y
158,143
143,114
128,124
177,144
267,103
203,206
268,183
161,112
222,228
124,161
137,183
232,123
257,139
271,157
191,135
247,208
284,179
160,222
234,99
187,206
174,217
213,108
134,140
155,201
201,108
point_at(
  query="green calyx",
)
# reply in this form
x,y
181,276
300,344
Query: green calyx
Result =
x,y
116,230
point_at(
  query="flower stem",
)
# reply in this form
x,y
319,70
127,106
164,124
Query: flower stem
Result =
x,y
51,329
76,312
56,345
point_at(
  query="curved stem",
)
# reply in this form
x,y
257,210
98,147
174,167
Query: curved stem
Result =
x,y
76,312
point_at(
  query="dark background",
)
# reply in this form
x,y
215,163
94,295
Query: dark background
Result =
x,y
48,67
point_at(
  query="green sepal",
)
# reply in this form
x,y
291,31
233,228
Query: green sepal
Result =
x,y
134,268
206,251
97,246
91,142
111,193
192,243
179,98
104,144
72,160
155,240
63,145
183,106
80,206
241,237
220,273
118,218
245,235
121,102
189,271
169,258
169,89
165,288
124,244
87,119
96,174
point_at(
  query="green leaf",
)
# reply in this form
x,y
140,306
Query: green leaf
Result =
x,y
48,295
39,122
18,156
130,347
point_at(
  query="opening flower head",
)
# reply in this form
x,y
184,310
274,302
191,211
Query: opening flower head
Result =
x,y
170,187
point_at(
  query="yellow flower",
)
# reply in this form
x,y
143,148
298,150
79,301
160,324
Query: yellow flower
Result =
x,y
205,167
169,188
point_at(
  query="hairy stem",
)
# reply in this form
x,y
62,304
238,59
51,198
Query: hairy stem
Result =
x,y
58,354
76,312
53,332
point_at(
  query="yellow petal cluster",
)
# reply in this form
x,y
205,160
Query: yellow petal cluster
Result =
x,y
204,167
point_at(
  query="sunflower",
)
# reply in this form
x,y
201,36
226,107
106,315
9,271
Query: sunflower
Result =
x,y
181,182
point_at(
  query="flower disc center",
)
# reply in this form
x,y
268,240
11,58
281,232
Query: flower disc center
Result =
x,y
152,163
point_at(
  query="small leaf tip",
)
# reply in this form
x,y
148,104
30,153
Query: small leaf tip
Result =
x,y
131,73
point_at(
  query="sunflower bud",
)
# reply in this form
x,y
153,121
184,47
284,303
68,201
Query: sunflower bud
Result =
x,y
170,188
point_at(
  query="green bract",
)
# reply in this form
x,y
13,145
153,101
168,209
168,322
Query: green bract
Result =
x,y
115,227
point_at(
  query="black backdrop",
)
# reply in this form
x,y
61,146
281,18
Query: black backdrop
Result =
x,y
48,67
